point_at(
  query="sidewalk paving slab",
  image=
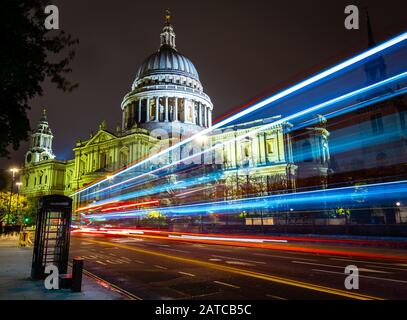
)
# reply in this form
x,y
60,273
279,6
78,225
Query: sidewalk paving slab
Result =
x,y
15,282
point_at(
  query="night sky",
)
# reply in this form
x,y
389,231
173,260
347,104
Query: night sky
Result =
x,y
240,48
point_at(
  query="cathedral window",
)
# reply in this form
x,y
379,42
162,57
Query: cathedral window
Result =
x,y
152,109
270,146
46,179
162,109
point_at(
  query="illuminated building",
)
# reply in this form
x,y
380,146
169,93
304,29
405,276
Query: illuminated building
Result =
x,y
166,104
378,148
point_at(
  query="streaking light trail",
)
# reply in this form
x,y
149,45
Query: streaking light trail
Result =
x,y
353,196
296,115
314,79
132,205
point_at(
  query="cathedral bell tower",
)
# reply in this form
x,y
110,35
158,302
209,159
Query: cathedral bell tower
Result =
x,y
41,142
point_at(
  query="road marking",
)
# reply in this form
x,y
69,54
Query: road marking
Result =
x,y
231,258
125,258
139,261
247,273
367,277
112,254
187,274
122,261
216,249
370,262
214,259
227,284
128,240
381,267
240,263
176,250
340,267
275,297
100,262
284,257
111,262
160,267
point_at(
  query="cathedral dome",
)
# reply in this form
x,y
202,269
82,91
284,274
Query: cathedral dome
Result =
x,y
167,60
167,93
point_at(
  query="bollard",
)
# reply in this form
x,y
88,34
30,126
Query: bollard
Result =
x,y
77,268
24,239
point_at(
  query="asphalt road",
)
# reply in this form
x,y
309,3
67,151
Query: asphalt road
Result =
x,y
164,269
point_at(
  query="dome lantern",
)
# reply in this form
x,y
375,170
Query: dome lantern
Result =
x,y
167,37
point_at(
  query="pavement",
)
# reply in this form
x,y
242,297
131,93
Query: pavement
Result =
x,y
15,282
161,268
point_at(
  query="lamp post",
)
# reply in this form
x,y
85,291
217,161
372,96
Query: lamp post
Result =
x,y
13,172
18,184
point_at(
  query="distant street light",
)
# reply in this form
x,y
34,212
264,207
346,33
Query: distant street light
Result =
x,y
13,172
18,184
398,204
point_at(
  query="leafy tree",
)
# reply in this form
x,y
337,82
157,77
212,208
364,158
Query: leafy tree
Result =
x,y
30,54
155,218
19,210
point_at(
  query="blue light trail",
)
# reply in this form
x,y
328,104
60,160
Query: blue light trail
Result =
x,y
257,106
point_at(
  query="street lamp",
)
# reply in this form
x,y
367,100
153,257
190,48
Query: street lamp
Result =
x,y
13,173
18,184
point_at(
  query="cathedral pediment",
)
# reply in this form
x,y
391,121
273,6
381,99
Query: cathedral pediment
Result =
x,y
101,136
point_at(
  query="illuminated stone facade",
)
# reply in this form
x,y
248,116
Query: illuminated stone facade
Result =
x,y
167,97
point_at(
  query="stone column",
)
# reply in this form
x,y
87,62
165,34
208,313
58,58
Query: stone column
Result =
x,y
148,110
166,109
200,114
175,109
139,110
209,118
157,109
193,111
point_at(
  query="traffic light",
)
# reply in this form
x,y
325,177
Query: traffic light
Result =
x,y
26,220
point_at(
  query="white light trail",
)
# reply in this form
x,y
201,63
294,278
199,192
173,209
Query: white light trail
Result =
x,y
257,106
280,121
